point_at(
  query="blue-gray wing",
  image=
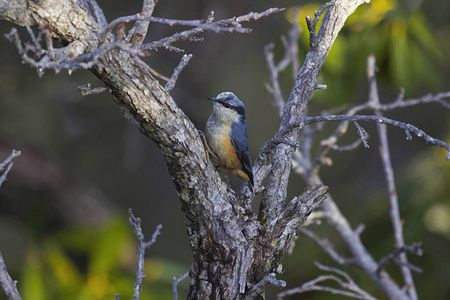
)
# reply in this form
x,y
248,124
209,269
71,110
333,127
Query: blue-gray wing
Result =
x,y
239,140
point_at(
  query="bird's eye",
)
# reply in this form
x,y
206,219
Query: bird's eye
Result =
x,y
227,105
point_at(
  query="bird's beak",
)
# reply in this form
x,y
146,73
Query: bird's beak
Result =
x,y
214,100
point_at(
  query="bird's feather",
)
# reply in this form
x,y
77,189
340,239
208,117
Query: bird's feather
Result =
x,y
239,140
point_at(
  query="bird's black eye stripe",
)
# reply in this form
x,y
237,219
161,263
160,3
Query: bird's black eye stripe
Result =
x,y
227,105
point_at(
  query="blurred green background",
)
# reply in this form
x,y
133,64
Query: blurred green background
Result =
x,y
64,229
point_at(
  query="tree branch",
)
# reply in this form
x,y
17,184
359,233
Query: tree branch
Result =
x,y
414,248
408,128
142,246
389,175
87,89
325,245
8,164
8,284
175,283
259,287
241,251
217,26
183,63
290,57
349,287
278,170
142,26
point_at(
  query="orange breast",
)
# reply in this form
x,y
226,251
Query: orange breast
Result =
x,y
228,157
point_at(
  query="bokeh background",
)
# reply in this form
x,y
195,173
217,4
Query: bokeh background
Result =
x,y
64,229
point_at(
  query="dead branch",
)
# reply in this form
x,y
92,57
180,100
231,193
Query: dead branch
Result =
x,y
394,210
142,245
8,284
175,283
183,63
8,164
414,248
349,287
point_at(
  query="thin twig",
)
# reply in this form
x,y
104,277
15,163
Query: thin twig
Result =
x,y
8,284
290,57
14,154
312,23
382,120
325,244
65,60
389,175
259,287
330,142
87,89
362,134
36,40
414,248
215,26
187,35
249,17
8,164
49,42
274,88
349,147
175,283
142,26
183,63
136,223
208,26
349,287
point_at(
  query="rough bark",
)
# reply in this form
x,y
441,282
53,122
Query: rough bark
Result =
x,y
233,250
274,196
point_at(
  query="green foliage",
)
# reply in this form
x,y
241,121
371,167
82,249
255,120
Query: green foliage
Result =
x,y
402,40
86,263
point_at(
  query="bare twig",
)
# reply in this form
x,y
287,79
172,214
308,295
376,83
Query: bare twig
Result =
x,y
8,284
290,57
312,23
142,26
136,223
408,128
87,89
36,40
326,246
49,43
349,287
320,86
274,88
215,26
414,248
330,142
259,287
175,283
67,58
187,35
389,175
14,154
8,164
429,98
381,120
183,63
191,34
249,17
362,134
348,147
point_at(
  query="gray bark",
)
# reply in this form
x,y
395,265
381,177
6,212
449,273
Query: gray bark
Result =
x,y
233,249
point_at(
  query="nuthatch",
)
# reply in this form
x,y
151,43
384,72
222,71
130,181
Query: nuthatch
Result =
x,y
226,134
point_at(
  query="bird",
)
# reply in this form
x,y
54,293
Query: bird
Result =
x,y
227,137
